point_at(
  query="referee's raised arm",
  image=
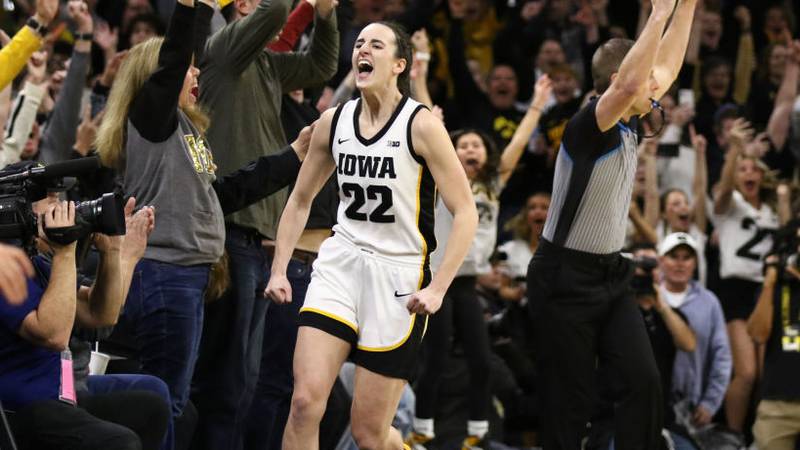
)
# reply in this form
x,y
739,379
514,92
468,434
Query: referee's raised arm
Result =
x,y
627,92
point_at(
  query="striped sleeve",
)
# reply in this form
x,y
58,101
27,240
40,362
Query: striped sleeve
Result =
x,y
20,123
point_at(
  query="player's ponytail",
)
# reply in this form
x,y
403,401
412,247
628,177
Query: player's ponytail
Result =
x,y
404,51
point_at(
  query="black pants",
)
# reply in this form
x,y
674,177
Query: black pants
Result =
x,y
583,314
52,424
460,313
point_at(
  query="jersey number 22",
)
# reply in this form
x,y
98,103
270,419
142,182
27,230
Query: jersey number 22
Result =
x,y
746,250
372,192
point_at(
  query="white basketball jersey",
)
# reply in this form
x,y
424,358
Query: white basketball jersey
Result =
x,y
386,192
477,260
745,236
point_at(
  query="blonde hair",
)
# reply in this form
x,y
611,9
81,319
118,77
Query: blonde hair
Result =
x,y
769,180
219,279
518,225
139,64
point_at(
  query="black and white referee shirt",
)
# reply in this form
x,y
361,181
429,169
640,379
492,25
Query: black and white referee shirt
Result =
x,y
593,184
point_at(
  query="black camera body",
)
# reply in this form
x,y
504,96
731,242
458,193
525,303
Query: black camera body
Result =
x,y
786,245
642,284
23,184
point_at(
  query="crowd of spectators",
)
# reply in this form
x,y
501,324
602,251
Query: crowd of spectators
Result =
x,y
201,358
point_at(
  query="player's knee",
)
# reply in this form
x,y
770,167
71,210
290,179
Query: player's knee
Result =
x,y
307,405
367,435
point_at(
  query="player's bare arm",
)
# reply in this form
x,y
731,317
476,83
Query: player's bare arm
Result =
x,y
432,143
315,171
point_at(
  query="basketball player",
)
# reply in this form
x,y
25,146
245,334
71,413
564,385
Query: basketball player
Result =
x,y
371,288
578,284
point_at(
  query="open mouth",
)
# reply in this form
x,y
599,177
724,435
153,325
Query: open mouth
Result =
x,y
683,217
750,185
364,68
471,162
195,92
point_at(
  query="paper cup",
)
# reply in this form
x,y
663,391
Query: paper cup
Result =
x,y
98,363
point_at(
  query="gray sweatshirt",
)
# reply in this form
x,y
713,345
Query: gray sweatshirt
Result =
x,y
176,177
703,375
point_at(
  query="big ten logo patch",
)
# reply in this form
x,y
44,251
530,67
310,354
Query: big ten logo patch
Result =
x,y
202,159
505,127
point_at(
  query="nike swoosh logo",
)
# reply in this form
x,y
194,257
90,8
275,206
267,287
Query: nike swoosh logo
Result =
x,y
342,141
402,295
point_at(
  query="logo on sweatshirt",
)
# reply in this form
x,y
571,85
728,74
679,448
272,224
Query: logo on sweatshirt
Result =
x,y
202,160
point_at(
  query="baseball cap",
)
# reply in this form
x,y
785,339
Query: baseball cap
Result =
x,y
676,240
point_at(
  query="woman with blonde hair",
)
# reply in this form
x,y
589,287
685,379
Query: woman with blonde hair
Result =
x,y
153,135
526,227
745,218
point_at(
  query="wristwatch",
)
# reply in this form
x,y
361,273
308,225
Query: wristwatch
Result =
x,y
37,27
84,36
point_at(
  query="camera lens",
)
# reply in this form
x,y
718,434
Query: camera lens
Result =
x,y
104,215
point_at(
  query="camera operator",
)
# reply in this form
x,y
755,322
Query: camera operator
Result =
x,y
668,331
776,323
36,377
699,378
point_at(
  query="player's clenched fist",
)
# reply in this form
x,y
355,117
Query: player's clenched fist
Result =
x,y
424,302
278,289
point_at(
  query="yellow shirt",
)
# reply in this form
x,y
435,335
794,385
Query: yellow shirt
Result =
x,y
14,56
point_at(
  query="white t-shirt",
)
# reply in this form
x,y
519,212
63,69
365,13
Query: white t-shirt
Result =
x,y
676,172
519,256
663,230
745,236
477,260
674,299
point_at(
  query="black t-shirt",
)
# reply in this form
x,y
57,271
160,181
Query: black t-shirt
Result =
x,y
782,360
295,116
664,350
761,102
554,121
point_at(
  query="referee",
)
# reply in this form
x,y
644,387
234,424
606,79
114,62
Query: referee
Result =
x,y
583,310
